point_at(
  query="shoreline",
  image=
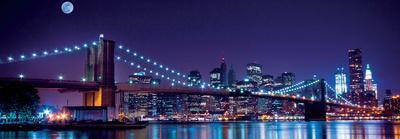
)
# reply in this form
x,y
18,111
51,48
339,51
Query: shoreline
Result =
x,y
85,126
113,126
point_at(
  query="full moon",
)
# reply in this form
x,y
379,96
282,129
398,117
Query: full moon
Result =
x,y
67,7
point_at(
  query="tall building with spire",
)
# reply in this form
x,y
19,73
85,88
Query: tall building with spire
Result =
x,y
356,75
369,82
340,82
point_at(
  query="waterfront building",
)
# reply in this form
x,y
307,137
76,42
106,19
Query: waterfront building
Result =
x,y
392,105
254,73
386,101
356,75
340,82
245,105
193,104
368,98
134,105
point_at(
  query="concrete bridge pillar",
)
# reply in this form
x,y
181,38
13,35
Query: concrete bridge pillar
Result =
x,y
316,111
100,68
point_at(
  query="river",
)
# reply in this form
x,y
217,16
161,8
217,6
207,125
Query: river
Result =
x,y
230,130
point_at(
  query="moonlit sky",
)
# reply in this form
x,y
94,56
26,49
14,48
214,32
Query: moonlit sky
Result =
x,y
302,36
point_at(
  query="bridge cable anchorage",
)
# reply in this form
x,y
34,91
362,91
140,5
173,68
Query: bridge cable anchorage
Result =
x,y
333,90
148,61
173,81
42,54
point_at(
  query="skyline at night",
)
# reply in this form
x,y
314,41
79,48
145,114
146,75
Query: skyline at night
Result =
x,y
200,69
177,32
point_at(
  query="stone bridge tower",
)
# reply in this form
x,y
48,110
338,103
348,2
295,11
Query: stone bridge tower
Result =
x,y
99,67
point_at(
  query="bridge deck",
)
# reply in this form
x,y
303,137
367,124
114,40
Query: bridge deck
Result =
x,y
137,88
50,83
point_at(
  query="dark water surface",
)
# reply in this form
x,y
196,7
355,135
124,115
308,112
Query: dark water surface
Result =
x,y
231,130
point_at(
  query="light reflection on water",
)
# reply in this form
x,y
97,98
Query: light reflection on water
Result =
x,y
231,130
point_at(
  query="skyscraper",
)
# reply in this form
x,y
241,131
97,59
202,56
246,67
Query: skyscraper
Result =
x,y
268,80
254,72
231,76
369,85
224,79
194,78
340,82
356,75
288,78
370,94
215,78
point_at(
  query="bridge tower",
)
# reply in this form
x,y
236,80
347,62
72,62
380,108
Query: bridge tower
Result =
x,y
99,67
316,111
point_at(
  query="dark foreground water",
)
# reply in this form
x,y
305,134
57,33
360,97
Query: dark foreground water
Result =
x,y
231,130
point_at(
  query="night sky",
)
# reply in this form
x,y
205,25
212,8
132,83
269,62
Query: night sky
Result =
x,y
302,36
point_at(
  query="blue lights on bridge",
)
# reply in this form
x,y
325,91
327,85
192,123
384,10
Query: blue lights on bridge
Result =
x,y
171,75
60,77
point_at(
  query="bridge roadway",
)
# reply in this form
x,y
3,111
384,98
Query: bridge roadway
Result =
x,y
70,85
52,83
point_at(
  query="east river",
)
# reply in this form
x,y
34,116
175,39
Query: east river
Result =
x,y
230,130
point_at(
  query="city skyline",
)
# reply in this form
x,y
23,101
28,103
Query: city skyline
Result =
x,y
251,40
200,69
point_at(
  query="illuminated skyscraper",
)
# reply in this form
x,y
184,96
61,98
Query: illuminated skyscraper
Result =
x,y
369,85
288,78
254,72
215,78
356,75
340,80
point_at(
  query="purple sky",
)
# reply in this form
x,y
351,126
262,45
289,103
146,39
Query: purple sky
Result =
x,y
305,37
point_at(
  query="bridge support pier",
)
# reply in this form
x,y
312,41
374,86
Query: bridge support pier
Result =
x,y
316,110
100,68
92,98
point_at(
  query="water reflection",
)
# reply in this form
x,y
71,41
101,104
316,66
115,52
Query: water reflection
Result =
x,y
231,130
